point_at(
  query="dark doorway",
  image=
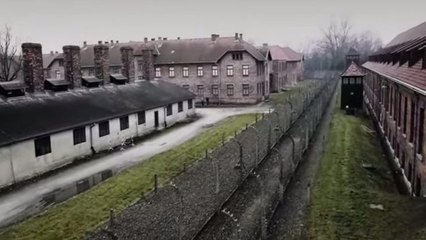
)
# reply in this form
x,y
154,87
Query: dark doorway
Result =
x,y
156,120
418,187
207,101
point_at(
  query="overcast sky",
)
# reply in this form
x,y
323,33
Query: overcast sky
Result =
x,y
294,23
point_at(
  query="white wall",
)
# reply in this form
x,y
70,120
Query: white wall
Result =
x,y
26,165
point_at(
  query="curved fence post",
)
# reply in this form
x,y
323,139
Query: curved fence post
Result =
x,y
257,144
180,218
281,179
240,163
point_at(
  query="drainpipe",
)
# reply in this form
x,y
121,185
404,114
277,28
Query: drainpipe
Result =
x,y
91,139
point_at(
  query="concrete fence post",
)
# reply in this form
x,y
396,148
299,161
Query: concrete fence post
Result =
x,y
155,183
111,217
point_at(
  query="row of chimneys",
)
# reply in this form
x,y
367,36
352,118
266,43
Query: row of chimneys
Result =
x,y
32,66
100,42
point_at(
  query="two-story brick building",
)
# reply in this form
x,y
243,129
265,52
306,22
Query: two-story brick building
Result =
x,y
395,90
219,70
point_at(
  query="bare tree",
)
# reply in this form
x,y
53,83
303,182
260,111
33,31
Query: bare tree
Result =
x,y
10,59
328,53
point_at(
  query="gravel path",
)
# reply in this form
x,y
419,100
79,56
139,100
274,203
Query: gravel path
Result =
x,y
289,221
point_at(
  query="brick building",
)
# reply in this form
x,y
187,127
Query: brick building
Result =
x,y
49,123
219,70
395,89
285,66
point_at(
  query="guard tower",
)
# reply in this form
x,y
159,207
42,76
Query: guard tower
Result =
x,y
352,83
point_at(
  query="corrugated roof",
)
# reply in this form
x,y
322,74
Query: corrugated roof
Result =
x,y
411,34
414,76
353,71
28,117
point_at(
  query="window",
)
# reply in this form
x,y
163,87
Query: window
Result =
x,y
141,117
215,90
260,69
189,103
229,70
58,74
399,109
140,77
358,80
246,90
140,66
91,72
245,70
186,86
200,71
79,135
421,129
404,126
185,71
214,71
412,116
200,90
230,90
171,72
169,109
103,128
237,56
352,81
42,146
345,81
124,122
157,72
180,106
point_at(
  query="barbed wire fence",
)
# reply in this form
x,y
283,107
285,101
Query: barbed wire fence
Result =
x,y
187,205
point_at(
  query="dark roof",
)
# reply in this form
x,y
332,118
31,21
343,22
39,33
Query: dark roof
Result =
x,y
58,82
352,51
29,117
176,51
12,85
414,75
353,71
49,58
201,50
285,54
91,79
411,34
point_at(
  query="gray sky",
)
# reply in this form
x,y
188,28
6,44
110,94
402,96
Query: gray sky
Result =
x,y
294,23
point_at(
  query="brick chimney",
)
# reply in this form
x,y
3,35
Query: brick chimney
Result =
x,y
236,36
72,65
145,39
148,64
127,58
101,53
32,66
241,37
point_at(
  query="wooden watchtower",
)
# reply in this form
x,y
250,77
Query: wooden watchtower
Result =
x,y
352,83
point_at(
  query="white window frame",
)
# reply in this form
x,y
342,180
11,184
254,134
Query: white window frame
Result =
x,y
172,72
185,71
245,70
215,70
230,70
157,72
58,74
200,71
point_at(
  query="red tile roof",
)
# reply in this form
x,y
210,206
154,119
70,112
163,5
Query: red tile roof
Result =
x,y
411,34
353,71
284,53
413,76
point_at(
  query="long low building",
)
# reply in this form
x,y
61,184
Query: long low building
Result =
x,y
46,124
395,88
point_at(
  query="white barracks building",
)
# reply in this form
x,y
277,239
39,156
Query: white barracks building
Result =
x,y
46,123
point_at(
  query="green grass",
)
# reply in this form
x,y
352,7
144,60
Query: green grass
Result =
x,y
75,217
343,189
282,97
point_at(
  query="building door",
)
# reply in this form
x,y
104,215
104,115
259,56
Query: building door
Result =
x,y
156,120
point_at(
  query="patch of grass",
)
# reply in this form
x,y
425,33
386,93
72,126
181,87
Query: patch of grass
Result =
x,y
75,217
344,189
282,97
